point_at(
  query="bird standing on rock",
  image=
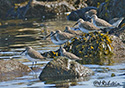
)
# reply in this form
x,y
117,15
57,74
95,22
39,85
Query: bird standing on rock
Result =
x,y
71,56
32,55
59,37
100,23
53,38
69,30
63,36
86,26
89,13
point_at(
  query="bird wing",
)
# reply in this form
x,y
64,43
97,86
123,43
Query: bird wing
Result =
x,y
89,26
35,54
71,31
64,36
70,55
117,23
54,37
101,22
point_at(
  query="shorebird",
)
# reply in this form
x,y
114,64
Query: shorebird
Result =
x,y
86,26
63,37
53,38
71,56
100,23
89,13
32,55
69,30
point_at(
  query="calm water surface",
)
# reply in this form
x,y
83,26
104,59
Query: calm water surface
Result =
x,y
14,38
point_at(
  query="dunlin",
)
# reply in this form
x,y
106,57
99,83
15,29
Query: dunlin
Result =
x,y
86,26
69,30
54,39
100,23
32,55
63,37
68,54
89,13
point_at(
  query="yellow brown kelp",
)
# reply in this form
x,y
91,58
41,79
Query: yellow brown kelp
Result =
x,y
51,54
94,48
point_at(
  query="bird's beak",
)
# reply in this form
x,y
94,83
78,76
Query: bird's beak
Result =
x,y
75,23
53,34
22,52
47,36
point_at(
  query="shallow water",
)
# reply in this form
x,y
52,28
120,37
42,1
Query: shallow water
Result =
x,y
13,40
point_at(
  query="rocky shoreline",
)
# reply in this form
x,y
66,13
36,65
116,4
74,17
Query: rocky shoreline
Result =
x,y
93,48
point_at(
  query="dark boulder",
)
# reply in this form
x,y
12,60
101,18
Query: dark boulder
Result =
x,y
63,68
112,9
75,15
38,8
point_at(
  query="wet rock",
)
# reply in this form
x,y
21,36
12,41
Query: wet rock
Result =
x,y
3,10
42,8
62,68
9,69
75,15
110,9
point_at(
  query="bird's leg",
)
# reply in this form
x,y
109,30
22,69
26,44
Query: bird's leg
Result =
x,y
59,50
35,63
32,64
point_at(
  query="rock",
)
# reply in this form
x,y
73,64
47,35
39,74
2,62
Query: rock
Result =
x,y
54,7
3,10
109,9
41,8
95,3
63,68
96,47
75,15
118,50
120,33
112,9
93,48
9,69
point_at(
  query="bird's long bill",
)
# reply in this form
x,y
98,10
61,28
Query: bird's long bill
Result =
x,y
22,52
75,23
47,36
53,34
